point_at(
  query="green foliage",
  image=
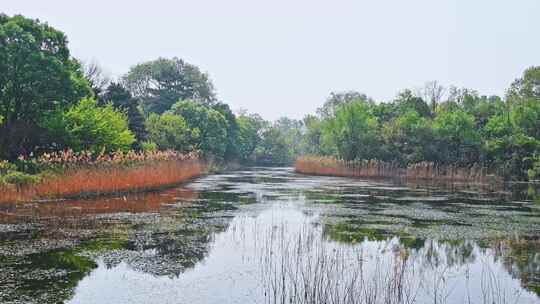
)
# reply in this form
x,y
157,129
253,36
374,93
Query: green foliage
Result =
x,y
6,167
281,142
312,136
407,101
122,100
457,137
249,135
208,126
231,151
534,172
512,138
160,83
526,87
149,146
409,138
19,179
168,131
87,126
37,77
337,99
352,131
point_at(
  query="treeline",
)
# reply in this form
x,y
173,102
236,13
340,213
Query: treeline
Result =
x,y
49,101
457,127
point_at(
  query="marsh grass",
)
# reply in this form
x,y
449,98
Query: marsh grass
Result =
x,y
304,268
318,165
70,175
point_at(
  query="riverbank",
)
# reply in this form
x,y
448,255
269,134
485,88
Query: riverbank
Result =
x,y
70,175
329,166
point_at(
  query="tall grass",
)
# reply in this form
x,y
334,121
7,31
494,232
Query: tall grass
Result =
x,y
303,268
82,174
318,165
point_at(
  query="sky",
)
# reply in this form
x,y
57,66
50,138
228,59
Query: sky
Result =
x,y
284,57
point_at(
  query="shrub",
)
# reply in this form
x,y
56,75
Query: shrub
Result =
x,y
19,179
87,126
149,146
6,166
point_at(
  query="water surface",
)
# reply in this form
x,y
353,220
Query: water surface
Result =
x,y
267,235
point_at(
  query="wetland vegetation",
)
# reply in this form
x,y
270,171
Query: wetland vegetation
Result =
x,y
99,201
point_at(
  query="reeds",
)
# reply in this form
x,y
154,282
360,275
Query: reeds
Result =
x,y
83,174
319,165
304,268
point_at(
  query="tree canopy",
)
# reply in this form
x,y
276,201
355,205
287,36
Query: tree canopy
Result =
x,y
160,83
37,76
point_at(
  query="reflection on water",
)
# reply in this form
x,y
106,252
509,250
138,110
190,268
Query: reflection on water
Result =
x,y
271,236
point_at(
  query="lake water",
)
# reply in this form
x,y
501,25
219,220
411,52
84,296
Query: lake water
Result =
x,y
268,235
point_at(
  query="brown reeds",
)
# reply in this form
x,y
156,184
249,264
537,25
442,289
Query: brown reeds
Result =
x,y
79,175
330,166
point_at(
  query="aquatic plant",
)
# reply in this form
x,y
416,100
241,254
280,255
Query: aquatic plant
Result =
x,y
303,268
70,174
321,165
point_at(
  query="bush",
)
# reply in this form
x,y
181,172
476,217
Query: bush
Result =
x,y
6,166
19,179
87,126
534,172
149,146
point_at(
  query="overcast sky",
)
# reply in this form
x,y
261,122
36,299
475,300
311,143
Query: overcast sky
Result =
x,y
284,57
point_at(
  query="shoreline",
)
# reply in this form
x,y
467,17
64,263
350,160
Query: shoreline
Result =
x,y
328,166
117,180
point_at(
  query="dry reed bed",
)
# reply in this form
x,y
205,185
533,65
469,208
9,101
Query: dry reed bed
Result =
x,y
317,165
79,175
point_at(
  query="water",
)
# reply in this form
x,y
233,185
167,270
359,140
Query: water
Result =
x,y
271,236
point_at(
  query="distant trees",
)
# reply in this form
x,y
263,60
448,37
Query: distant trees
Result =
x,y
37,76
352,130
457,137
160,83
433,92
209,126
526,87
461,129
250,128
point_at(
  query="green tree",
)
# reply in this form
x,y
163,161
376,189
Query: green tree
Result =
x,y
457,137
87,126
353,131
169,131
209,126
160,83
231,152
273,148
406,101
513,139
526,87
312,136
409,138
121,99
337,99
37,77
250,129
